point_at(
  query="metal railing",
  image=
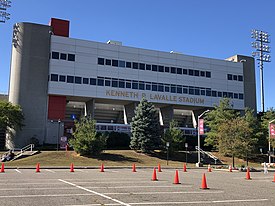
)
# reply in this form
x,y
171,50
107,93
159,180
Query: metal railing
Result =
x,y
209,154
27,148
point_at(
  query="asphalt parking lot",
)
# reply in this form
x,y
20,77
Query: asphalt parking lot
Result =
x,y
89,187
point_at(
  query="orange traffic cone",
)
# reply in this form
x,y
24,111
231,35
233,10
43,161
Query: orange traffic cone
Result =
x,y
159,168
154,177
184,168
176,178
38,167
248,174
102,168
2,168
72,168
203,182
134,168
209,168
274,178
230,168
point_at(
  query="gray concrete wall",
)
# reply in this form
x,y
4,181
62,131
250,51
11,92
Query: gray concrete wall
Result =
x,y
29,80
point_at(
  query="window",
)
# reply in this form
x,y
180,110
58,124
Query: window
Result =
x,y
202,73
230,94
208,93
135,85
197,91
71,57
236,96
77,80
107,82
148,66
235,77
208,74
100,81
121,63
154,87
167,69
224,94
173,88
240,96
179,89
203,92
167,88
214,93
135,65
100,61
54,77
229,76
70,79
63,56
141,66
240,78
197,73
55,55
179,70
185,90
191,72
161,68
92,81
85,80
141,86
160,88
114,63
219,94
128,84
148,86
184,71
121,83
108,62
173,70
114,82
191,90
62,78
129,64
154,68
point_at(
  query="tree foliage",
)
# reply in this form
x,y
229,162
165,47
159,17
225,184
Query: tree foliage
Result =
x,y
267,117
213,119
145,128
87,141
174,136
11,116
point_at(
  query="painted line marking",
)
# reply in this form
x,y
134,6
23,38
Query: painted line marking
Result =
x,y
94,192
136,186
155,193
53,195
50,170
18,171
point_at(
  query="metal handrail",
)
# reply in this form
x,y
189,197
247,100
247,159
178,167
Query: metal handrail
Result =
x,y
30,146
209,154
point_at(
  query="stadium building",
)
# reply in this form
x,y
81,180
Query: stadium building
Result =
x,y
56,79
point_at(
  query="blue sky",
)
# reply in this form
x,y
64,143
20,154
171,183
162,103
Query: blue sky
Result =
x,y
209,28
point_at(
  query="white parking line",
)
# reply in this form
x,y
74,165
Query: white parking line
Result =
x,y
52,195
50,170
155,193
139,186
18,171
97,193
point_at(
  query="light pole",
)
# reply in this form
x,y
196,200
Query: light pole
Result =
x,y
199,141
57,140
4,15
269,141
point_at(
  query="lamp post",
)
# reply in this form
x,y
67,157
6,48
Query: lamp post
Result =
x,y
269,142
199,141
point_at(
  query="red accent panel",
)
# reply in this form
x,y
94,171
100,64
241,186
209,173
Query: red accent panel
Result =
x,y
60,27
56,107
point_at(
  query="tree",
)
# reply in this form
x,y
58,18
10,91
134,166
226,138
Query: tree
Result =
x,y
220,114
174,136
267,116
11,116
145,128
87,141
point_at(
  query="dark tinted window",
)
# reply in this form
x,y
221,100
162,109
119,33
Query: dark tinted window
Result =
x,y
160,88
179,70
173,88
141,85
114,63
235,77
148,66
224,94
55,55
236,96
114,83
203,92
185,90
208,92
121,63
191,72
92,81
202,73
63,56
148,86
240,96
100,61
191,90
121,84
167,69
135,65
70,79
77,80
135,85
161,68
141,66
100,82
154,87
71,57
128,84
62,78
108,62
229,76
85,81
197,73
208,74
184,71
197,91
179,89
129,64
173,70
154,68
167,88
214,93
219,94
107,82
240,78
230,94
54,77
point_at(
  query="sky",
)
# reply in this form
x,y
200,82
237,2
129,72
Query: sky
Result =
x,y
209,28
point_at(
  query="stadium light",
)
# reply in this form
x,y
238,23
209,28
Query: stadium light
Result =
x,y
261,54
4,16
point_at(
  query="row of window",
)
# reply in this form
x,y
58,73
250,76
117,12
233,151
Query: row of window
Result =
x,y
63,56
235,77
152,67
141,85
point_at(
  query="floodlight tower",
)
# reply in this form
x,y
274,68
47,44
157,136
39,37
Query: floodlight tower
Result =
x,y
262,54
4,16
